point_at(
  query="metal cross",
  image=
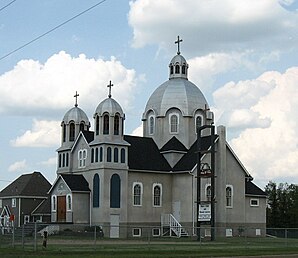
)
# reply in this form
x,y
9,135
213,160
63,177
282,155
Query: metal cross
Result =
x,y
110,88
178,42
76,96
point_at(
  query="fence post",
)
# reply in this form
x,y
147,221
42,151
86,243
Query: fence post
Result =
x,y
35,236
94,236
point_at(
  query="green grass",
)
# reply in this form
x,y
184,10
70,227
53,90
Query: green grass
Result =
x,y
175,248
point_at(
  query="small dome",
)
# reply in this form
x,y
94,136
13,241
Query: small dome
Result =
x,y
110,106
176,93
178,59
77,115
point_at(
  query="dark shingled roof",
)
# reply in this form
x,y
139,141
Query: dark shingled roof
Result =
x,y
44,208
89,135
143,154
76,183
173,144
189,160
26,184
252,189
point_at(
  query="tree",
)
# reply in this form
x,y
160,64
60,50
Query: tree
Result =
x,y
282,205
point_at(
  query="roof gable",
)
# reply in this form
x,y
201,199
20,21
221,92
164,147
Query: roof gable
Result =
x,y
76,183
173,145
252,189
143,154
25,186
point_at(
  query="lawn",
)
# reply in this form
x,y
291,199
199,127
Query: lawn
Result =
x,y
75,248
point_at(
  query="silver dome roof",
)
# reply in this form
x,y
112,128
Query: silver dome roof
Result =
x,y
110,106
176,93
178,59
77,115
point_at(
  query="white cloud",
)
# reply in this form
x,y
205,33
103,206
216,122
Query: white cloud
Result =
x,y
50,162
266,112
43,134
253,24
18,166
33,88
138,131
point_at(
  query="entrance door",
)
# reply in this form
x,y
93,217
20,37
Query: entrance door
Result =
x,y
176,210
61,208
114,225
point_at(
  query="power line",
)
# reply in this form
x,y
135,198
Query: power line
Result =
x,y
51,30
2,8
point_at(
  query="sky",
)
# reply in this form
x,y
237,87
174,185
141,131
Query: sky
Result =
x,y
243,55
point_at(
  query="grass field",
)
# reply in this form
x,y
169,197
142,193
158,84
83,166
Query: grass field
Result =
x,y
76,248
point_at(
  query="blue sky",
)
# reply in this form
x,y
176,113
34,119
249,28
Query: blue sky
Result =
x,y
242,55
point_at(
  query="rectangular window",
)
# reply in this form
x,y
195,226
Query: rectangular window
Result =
x,y
136,232
156,232
254,202
13,202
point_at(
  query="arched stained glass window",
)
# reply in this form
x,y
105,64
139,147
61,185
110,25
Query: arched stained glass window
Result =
x,y
109,154
122,155
229,194
106,124
115,191
137,194
96,189
71,132
174,123
157,195
97,125
116,125
151,125
116,154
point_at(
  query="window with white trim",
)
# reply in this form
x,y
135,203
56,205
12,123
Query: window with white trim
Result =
x,y
136,232
229,196
151,125
69,202
198,122
137,193
254,202
82,156
156,232
54,203
157,195
174,123
13,202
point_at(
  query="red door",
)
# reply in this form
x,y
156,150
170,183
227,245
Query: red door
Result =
x,y
61,208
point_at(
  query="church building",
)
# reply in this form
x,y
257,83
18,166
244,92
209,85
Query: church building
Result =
x,y
178,176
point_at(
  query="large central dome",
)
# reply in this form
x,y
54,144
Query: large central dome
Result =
x,y
178,93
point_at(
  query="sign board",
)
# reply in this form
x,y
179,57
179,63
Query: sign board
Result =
x,y
204,212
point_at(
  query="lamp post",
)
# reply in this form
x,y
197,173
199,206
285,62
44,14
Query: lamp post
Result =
x,y
206,170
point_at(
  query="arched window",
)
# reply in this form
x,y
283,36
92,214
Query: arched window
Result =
x,y
183,69
109,154
122,155
151,125
116,125
66,159
59,161
68,204
96,154
137,194
106,124
199,122
54,203
116,155
71,132
92,155
97,125
174,123
208,193
171,69
177,69
82,126
100,154
229,196
157,195
96,188
64,132
63,160
82,156
115,191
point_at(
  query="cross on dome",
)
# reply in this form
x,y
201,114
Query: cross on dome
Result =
x,y
110,88
76,96
178,43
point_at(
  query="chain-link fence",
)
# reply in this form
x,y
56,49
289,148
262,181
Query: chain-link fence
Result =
x,y
36,236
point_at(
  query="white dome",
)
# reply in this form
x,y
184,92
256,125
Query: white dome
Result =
x,y
109,105
176,93
76,115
